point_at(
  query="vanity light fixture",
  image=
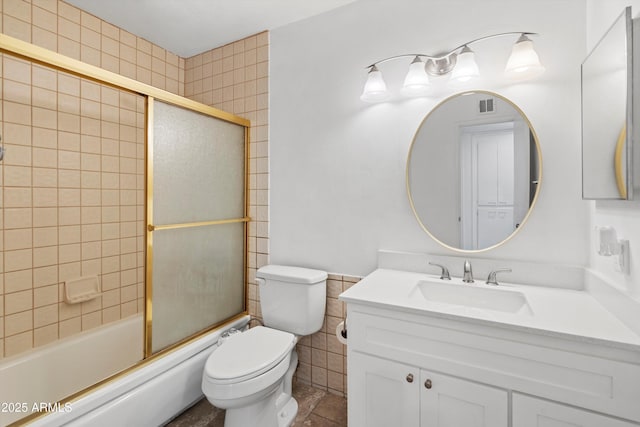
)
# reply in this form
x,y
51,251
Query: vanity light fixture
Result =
x,y
416,83
466,69
523,62
460,62
375,89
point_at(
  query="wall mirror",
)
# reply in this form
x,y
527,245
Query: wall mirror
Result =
x,y
473,171
607,115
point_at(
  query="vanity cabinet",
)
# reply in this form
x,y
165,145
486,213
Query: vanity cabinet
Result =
x,y
454,402
481,374
388,393
532,412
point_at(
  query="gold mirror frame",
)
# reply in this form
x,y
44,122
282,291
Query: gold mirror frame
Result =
x,y
539,180
618,166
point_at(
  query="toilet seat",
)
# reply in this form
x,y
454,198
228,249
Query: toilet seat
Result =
x,y
248,355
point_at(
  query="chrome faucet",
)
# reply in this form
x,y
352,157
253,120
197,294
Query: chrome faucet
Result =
x,y
468,274
492,280
444,274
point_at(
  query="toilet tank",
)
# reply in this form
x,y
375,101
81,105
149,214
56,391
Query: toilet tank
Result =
x,y
292,299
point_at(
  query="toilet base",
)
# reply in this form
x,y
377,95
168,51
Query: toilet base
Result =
x,y
288,413
277,409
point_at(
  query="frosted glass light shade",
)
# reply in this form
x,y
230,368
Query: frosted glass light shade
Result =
x,y
375,89
466,67
416,83
523,62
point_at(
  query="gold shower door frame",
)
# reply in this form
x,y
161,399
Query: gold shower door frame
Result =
x,y
151,228
39,55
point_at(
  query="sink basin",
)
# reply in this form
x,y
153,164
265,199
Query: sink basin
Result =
x,y
473,295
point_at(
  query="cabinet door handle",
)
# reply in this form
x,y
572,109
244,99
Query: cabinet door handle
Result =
x,y
427,384
410,378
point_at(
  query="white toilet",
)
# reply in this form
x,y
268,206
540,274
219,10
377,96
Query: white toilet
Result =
x,y
250,374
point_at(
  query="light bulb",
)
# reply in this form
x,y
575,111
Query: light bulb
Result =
x,y
466,67
523,62
416,83
375,89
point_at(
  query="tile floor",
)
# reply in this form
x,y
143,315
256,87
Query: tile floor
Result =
x,y
316,408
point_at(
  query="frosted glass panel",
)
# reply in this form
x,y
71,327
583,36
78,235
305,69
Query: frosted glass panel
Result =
x,y
198,280
198,167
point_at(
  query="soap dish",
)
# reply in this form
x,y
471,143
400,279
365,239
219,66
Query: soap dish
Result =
x,y
81,289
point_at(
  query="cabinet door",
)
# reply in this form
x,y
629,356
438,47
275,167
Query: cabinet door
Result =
x,y
382,393
531,412
452,402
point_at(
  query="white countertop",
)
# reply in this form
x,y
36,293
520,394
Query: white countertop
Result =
x,y
551,311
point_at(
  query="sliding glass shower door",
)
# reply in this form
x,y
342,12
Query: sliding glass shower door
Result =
x,y
196,211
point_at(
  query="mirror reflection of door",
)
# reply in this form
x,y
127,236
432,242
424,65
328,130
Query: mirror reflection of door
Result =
x,y
491,208
487,185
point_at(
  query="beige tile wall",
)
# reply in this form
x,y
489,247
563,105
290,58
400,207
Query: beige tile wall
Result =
x,y
322,358
62,28
72,200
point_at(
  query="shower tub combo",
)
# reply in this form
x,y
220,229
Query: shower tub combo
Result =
x,y
163,387
185,194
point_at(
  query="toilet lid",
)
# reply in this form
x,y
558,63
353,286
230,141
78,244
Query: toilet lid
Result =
x,y
249,354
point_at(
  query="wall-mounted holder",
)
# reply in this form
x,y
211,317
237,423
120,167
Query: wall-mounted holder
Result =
x,y
341,332
81,289
611,246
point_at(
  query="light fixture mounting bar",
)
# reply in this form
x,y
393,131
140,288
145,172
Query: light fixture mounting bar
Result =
x,y
522,33
440,57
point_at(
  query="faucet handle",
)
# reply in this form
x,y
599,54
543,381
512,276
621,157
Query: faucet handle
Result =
x,y
491,280
444,274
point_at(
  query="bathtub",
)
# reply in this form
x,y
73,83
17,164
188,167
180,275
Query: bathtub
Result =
x,y
147,396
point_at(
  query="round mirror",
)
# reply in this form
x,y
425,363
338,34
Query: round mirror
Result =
x,y
473,172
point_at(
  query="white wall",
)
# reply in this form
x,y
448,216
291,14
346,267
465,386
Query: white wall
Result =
x,y
623,216
338,165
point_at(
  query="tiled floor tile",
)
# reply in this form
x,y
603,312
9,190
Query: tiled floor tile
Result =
x,y
316,408
333,408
